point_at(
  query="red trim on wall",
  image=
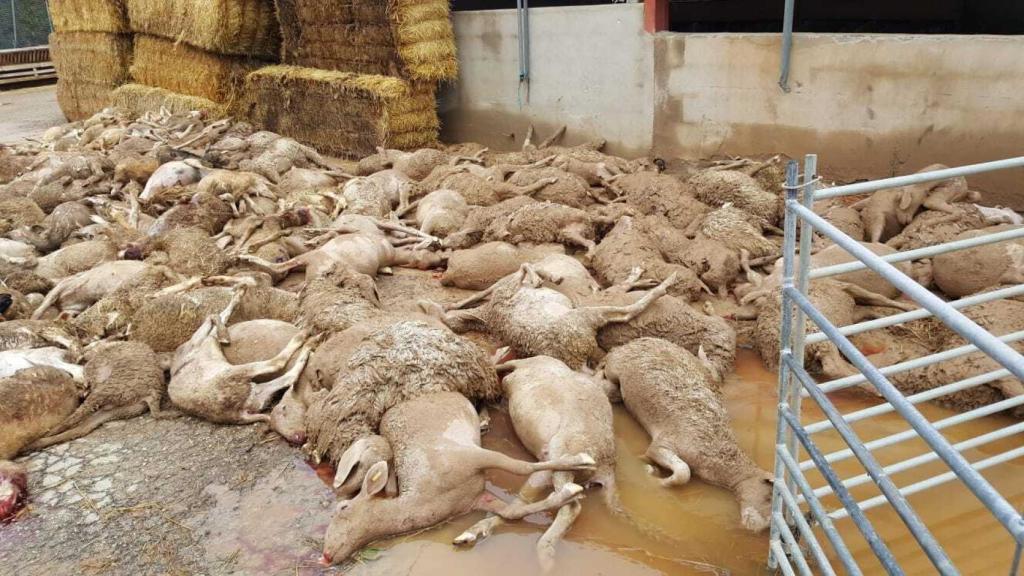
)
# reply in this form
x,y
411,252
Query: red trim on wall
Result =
x,y
655,15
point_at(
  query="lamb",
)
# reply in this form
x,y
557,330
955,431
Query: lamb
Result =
x,y
673,396
719,187
480,191
22,334
367,198
56,228
278,156
398,187
234,185
627,247
78,292
562,187
16,212
205,384
932,227
124,379
886,212
441,213
536,320
543,223
136,169
480,267
556,412
400,361
203,211
416,165
966,272
439,466
112,314
593,173
338,300
187,251
73,259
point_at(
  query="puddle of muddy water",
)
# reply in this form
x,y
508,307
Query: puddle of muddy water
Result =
x,y
690,530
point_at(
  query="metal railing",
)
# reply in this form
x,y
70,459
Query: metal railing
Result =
x,y
797,507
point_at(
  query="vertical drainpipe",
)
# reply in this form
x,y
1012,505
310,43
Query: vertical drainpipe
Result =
x,y
523,12
787,45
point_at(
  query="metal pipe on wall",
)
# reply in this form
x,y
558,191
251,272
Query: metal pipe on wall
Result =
x,y
787,44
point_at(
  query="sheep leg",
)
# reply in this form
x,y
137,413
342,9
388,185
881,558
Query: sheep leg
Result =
x,y
669,460
478,297
483,459
418,259
178,288
573,236
53,296
554,137
277,269
533,188
564,520
620,314
91,423
275,364
517,510
407,230
262,394
153,403
459,321
868,298
528,141
264,241
529,492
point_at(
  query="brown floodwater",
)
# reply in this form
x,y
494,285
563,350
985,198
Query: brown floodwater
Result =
x,y
694,529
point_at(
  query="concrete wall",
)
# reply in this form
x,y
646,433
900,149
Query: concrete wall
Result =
x,y
592,68
869,105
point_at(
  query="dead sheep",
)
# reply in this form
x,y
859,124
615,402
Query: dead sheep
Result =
x,y
398,187
166,322
112,314
931,227
234,185
76,293
17,306
670,319
480,219
32,402
136,169
188,251
18,212
477,190
436,432
75,259
737,231
544,223
22,334
203,211
964,272
16,249
367,198
11,361
416,165
563,187
203,383
480,267
886,212
59,225
719,187
661,194
278,156
441,213
171,174
24,280
338,300
534,319
557,413
288,418
627,247
592,173
676,399
124,380
398,362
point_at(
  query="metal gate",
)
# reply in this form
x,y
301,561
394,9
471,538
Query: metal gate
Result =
x,y
797,507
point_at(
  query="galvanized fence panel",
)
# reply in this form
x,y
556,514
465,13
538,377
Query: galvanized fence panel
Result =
x,y
797,505
23,24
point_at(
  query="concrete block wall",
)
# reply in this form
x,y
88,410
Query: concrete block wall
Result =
x,y
870,105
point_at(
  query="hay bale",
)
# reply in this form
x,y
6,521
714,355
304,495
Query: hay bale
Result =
x,y
354,36
89,65
341,113
425,38
89,16
136,100
186,70
234,27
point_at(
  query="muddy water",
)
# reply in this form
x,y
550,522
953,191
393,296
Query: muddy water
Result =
x,y
694,529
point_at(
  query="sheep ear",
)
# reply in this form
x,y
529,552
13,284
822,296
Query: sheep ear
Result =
x,y
376,479
906,197
348,462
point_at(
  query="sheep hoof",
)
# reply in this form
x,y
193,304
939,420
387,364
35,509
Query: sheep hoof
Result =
x,y
464,539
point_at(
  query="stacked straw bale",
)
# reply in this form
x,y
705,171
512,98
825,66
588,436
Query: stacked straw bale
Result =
x,y
341,113
425,38
189,71
137,99
90,65
230,27
89,16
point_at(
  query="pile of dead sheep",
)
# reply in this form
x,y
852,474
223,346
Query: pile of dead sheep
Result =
x,y
178,266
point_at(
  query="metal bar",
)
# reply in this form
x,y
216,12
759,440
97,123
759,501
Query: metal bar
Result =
x,y
783,436
799,321
921,177
1002,510
920,313
876,543
936,480
787,45
918,398
854,380
918,530
1015,569
812,501
783,560
925,458
14,23
986,342
794,548
917,254
820,558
